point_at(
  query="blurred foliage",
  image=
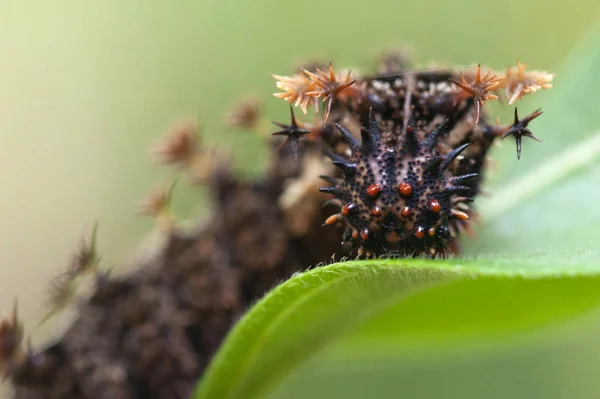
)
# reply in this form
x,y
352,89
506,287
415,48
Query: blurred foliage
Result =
x,y
86,88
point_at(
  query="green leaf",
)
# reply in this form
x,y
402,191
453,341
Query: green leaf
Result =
x,y
394,309
381,328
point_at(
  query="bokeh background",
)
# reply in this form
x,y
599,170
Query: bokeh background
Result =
x,y
86,88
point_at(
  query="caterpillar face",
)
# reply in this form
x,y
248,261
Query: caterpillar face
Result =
x,y
398,198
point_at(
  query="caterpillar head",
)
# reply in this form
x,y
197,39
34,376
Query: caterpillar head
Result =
x,y
399,198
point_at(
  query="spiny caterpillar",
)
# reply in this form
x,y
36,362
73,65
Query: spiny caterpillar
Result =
x,y
403,154
405,186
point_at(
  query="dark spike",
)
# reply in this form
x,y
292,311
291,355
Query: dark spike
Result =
x,y
451,156
519,129
432,165
293,133
364,135
328,179
354,144
328,190
411,142
347,167
457,189
463,178
342,164
431,140
373,126
333,156
371,135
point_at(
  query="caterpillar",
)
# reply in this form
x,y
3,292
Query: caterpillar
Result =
x,y
389,166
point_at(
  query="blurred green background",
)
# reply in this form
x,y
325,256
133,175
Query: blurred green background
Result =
x,y
86,88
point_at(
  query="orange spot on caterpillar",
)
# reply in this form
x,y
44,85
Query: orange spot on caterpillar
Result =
x,y
431,232
406,211
373,190
376,211
434,205
405,189
420,232
364,234
348,208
